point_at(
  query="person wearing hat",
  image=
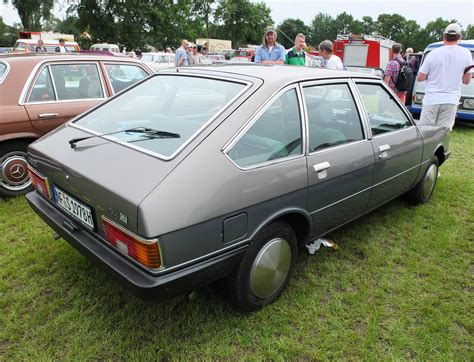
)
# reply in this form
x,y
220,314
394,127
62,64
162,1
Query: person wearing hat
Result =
x,y
443,70
270,52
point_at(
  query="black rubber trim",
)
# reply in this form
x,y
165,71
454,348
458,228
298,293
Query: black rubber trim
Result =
x,y
142,283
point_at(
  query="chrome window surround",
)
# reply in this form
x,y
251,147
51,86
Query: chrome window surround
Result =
x,y
4,75
391,95
119,63
247,85
354,92
255,117
34,75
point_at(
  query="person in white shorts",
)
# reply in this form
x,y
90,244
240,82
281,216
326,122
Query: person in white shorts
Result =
x,y
444,72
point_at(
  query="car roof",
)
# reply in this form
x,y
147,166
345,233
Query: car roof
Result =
x,y
45,41
13,58
464,43
269,73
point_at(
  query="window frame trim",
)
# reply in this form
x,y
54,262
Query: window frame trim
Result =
x,y
392,96
366,132
255,117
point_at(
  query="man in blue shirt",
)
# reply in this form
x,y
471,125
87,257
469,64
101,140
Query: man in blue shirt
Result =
x,y
270,52
181,57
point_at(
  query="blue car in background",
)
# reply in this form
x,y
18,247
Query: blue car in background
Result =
x,y
466,103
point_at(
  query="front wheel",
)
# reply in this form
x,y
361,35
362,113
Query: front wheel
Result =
x,y
422,192
14,179
265,269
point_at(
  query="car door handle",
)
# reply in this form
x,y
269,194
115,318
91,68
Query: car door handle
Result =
x,y
48,115
322,169
383,151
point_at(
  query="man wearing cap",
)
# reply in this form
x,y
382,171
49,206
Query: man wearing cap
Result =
x,y
444,72
296,55
270,52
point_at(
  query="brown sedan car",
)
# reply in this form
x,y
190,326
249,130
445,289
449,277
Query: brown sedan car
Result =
x,y
40,92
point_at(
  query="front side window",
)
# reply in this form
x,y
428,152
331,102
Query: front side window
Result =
x,y
124,75
181,105
276,134
333,118
384,113
43,88
76,81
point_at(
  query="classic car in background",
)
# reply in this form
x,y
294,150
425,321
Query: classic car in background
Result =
x,y
211,173
39,92
157,61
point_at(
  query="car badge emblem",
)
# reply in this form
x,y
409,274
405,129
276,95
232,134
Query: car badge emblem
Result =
x,y
67,177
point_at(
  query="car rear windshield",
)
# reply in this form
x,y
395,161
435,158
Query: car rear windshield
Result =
x,y
182,105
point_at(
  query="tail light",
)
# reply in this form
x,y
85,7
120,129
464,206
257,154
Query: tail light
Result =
x,y
145,251
39,182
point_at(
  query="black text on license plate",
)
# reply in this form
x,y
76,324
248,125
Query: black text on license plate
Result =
x,y
74,207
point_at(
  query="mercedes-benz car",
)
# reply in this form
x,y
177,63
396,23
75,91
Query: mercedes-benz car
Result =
x,y
205,173
39,92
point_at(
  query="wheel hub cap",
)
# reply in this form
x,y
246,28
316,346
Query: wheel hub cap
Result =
x,y
430,181
14,173
270,268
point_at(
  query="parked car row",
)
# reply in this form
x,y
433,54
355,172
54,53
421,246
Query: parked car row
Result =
x,y
224,172
40,92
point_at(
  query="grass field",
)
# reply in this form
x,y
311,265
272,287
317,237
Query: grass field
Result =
x,y
399,287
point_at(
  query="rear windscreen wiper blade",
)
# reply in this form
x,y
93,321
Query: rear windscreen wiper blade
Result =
x,y
143,130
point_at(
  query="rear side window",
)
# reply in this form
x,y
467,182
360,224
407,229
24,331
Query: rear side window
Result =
x,y
384,113
43,88
276,134
124,75
332,116
67,82
76,81
3,71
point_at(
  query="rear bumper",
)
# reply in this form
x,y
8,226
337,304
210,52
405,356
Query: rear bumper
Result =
x,y
145,285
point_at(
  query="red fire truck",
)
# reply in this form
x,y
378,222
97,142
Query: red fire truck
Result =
x,y
363,50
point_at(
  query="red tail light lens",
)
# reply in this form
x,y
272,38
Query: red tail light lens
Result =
x,y
39,182
145,251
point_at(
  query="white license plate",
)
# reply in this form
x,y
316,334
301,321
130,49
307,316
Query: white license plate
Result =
x,y
73,207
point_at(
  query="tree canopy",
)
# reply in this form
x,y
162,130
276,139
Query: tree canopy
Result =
x,y
134,23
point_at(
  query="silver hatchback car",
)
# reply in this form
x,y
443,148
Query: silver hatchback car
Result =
x,y
204,173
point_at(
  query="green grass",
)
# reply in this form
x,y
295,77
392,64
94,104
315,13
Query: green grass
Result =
x,y
400,287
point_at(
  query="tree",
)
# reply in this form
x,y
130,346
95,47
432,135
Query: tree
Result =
x,y
390,25
469,32
32,12
436,28
322,27
8,35
288,30
242,21
368,25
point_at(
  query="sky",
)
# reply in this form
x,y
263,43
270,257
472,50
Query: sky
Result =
x,y
422,11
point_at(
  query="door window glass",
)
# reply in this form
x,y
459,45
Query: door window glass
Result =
x,y
43,88
276,134
384,113
76,81
124,75
332,116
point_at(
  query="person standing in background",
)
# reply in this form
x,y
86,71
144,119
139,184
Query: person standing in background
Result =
x,y
392,70
296,55
61,48
40,48
331,59
270,52
444,70
181,57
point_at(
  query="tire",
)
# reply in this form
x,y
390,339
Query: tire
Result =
x,y
14,180
265,269
422,192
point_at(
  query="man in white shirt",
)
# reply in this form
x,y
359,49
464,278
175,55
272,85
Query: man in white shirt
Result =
x,y
332,60
444,72
61,48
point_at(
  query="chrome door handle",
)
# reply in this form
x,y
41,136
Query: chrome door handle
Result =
x,y
322,169
383,151
48,115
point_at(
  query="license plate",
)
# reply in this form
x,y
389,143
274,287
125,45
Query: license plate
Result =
x,y
73,207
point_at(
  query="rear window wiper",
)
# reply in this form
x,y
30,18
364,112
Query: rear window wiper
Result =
x,y
154,133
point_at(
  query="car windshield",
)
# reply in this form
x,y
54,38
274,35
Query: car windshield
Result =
x,y
170,103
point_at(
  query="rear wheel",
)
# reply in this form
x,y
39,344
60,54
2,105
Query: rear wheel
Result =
x,y
422,192
266,268
14,178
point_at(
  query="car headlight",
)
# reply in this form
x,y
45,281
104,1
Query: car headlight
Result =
x,y
468,104
419,98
